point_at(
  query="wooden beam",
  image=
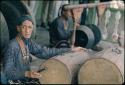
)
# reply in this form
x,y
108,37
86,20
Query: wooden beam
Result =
x,y
90,5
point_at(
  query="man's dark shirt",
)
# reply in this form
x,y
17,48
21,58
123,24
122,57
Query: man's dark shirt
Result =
x,y
57,31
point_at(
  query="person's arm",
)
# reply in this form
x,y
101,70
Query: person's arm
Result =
x,y
44,52
12,72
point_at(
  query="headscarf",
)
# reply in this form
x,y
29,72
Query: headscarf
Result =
x,y
21,19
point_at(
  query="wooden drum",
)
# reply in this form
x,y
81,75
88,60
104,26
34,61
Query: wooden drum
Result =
x,y
62,69
99,71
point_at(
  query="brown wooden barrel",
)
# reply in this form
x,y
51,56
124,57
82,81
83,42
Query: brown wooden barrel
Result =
x,y
99,71
62,69
116,56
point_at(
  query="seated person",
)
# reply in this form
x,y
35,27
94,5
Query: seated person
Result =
x,y
16,61
60,28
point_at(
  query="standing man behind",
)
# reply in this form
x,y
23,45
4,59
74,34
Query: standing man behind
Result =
x,y
16,61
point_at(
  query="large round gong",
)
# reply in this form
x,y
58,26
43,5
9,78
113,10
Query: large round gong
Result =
x,y
4,34
11,10
96,32
84,37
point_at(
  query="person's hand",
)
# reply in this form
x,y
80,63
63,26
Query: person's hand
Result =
x,y
32,74
115,36
77,25
77,49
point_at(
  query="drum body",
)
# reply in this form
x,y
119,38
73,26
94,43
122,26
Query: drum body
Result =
x,y
62,69
108,68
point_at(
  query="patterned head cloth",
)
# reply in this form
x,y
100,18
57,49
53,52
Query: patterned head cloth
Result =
x,y
21,19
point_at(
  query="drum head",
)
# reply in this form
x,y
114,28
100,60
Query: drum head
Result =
x,y
99,71
55,73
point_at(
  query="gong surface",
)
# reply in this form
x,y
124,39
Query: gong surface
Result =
x,y
97,33
84,37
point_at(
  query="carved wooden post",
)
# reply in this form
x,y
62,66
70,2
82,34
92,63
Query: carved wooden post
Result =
x,y
100,12
115,33
76,14
105,33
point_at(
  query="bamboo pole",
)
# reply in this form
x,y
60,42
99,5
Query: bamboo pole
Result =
x,y
90,5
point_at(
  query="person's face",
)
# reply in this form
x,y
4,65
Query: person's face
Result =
x,y
25,29
66,14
